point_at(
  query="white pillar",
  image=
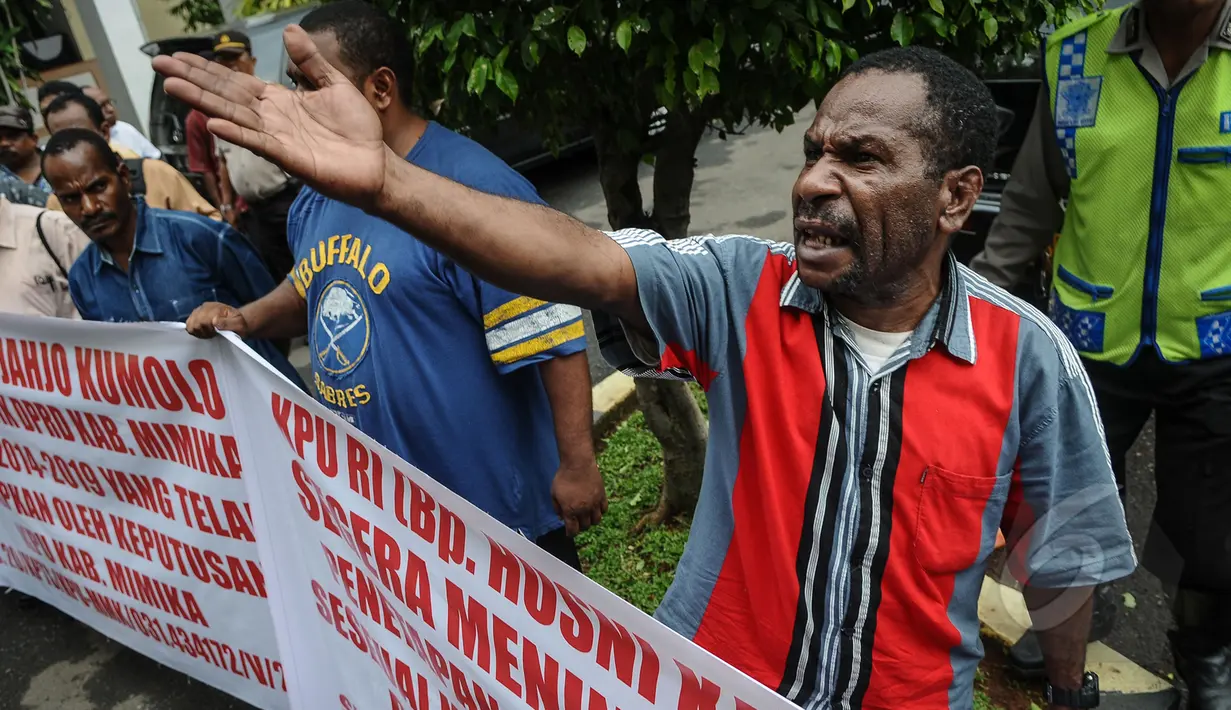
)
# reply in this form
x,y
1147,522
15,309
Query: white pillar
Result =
x,y
115,30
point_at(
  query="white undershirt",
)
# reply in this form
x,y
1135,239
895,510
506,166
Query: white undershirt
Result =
x,y
874,346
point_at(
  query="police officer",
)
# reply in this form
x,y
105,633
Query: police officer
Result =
x,y
1133,129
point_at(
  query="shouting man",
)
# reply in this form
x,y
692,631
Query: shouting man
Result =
x,y
844,527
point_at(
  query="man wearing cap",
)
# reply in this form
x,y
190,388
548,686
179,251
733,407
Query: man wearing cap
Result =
x,y
19,156
267,191
121,132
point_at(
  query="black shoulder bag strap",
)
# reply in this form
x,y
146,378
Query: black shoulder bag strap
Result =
x,y
136,175
38,225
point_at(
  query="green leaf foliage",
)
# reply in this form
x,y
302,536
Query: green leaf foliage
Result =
x,y
903,29
624,34
577,39
478,75
610,63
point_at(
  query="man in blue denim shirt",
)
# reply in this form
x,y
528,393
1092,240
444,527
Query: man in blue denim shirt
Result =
x,y
147,264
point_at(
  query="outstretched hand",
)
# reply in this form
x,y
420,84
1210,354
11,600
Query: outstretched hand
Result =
x,y
329,137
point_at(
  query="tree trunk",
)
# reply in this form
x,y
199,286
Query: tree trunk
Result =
x,y
617,173
670,410
675,165
671,413
675,419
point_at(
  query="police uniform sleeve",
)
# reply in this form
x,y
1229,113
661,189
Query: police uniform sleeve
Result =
x,y
1063,521
1030,212
519,330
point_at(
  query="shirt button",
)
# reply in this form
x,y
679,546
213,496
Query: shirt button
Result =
x,y
866,473
848,631
876,386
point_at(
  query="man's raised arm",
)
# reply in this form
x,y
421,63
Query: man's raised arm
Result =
x,y
330,137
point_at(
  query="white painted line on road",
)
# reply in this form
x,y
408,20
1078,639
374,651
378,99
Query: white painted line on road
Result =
x,y
613,390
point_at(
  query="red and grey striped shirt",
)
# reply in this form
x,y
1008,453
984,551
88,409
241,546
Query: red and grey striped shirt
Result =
x,y
846,516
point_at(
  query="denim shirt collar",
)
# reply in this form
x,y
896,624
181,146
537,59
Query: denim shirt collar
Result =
x,y
947,321
146,239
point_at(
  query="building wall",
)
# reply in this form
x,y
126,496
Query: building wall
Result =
x,y
78,28
158,21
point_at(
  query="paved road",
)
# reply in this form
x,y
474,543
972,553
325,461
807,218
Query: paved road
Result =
x,y
1140,632
50,662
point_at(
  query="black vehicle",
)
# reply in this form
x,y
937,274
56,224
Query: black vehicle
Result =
x,y
1015,88
522,149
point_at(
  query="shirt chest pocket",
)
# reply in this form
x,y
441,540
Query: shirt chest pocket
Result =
x,y
953,508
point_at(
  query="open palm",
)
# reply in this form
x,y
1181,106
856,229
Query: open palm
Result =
x,y
330,138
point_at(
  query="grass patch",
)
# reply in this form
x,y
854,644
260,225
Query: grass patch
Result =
x,y
639,568
982,701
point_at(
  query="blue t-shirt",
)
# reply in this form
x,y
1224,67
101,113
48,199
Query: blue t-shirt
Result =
x,y
424,357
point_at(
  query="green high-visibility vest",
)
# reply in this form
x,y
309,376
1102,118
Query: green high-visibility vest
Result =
x,y
1144,259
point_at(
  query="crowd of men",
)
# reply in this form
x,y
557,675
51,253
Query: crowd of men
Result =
x,y
838,549
404,343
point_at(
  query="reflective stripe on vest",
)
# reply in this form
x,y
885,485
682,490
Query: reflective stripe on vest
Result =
x,y
1144,259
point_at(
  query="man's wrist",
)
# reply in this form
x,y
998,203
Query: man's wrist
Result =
x,y
1084,695
252,320
579,458
384,202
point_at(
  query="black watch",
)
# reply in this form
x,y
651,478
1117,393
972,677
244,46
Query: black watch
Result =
x,y
1086,697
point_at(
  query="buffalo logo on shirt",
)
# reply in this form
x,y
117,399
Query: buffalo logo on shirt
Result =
x,y
341,330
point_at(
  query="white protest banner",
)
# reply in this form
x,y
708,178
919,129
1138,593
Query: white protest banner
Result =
x,y
390,592
121,498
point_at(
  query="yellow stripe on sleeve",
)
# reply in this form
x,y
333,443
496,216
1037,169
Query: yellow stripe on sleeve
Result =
x,y
543,343
512,309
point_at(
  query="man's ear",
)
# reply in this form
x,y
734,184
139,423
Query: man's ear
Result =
x,y
382,88
124,174
959,190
